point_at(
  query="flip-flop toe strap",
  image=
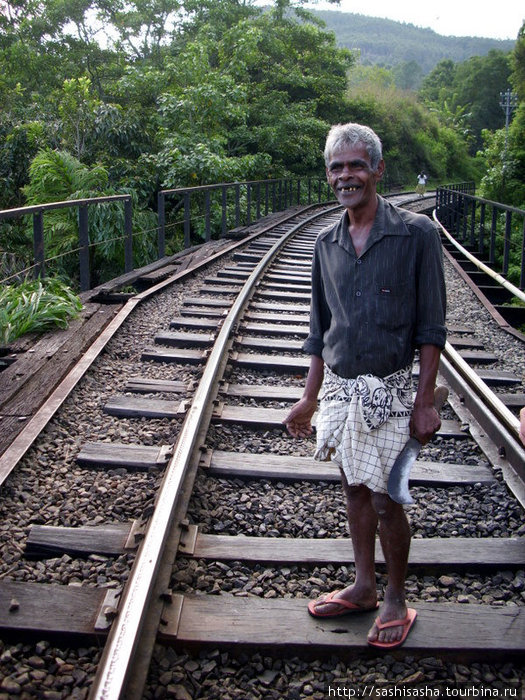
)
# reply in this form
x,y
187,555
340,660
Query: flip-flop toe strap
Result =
x,y
392,623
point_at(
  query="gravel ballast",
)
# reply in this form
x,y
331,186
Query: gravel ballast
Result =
x,y
49,488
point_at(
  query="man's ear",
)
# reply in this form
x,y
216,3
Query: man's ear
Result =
x,y
380,170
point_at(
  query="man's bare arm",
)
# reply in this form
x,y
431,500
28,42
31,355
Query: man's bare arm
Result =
x,y
299,420
425,419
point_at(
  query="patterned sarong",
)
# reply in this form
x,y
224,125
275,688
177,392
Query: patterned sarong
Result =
x,y
363,424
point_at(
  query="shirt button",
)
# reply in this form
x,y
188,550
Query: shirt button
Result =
x,y
358,294
359,261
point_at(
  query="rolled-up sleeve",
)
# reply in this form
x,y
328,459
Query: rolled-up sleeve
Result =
x,y
431,292
319,312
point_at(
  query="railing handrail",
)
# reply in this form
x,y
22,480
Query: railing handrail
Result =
x,y
285,191
37,208
216,186
466,216
499,205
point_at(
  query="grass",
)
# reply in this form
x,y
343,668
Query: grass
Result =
x,y
36,306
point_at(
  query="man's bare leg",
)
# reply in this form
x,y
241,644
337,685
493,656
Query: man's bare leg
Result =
x,y
362,519
394,534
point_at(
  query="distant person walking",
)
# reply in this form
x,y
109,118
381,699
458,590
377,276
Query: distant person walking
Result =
x,y
421,183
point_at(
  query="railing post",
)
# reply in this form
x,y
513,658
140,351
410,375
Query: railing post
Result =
x,y
248,204
266,197
224,226
473,224
161,217
274,196
38,244
493,231
482,228
83,240
280,194
457,220
464,218
258,199
187,222
207,215
299,191
128,230
507,241
237,205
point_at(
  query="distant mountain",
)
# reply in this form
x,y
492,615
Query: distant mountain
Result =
x,y
388,43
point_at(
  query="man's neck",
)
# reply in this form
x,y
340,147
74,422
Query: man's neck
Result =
x,y
361,222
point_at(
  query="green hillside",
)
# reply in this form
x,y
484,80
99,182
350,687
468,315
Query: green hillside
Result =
x,y
389,43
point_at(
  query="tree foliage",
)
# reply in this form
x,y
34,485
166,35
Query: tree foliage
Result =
x,y
187,92
467,94
504,152
57,176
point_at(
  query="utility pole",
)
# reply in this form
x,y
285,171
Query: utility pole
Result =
x,y
508,101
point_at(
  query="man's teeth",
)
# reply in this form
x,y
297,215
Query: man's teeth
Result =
x,y
349,189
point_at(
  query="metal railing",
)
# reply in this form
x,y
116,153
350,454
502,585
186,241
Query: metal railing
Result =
x,y
494,231
207,212
37,211
212,210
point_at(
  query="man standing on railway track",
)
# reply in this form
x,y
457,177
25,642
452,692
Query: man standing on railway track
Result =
x,y
378,294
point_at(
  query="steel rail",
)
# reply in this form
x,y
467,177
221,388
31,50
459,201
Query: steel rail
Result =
x,y
480,265
489,411
493,416
23,441
117,662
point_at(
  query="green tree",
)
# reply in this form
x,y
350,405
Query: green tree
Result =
x,y
77,113
142,26
469,93
518,65
408,75
505,176
59,176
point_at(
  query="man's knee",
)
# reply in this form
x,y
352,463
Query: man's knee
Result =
x,y
355,492
384,506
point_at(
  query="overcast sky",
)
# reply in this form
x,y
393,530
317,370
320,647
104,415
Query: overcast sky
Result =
x,y
498,20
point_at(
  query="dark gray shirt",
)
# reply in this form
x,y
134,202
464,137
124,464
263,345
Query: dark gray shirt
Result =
x,y
370,313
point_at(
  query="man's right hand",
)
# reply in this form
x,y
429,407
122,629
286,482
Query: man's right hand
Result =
x,y
299,420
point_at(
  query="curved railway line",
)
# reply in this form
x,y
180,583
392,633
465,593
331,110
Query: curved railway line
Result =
x,y
160,533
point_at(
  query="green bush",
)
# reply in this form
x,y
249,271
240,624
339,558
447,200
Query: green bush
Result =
x,y
36,306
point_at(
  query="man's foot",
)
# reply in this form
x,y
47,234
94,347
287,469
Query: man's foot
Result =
x,y
341,603
404,624
392,634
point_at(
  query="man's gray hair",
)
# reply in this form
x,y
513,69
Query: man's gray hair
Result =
x,y
347,135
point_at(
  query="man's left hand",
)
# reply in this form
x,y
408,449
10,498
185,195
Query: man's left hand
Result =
x,y
424,423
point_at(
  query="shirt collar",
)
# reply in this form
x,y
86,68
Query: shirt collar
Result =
x,y
387,222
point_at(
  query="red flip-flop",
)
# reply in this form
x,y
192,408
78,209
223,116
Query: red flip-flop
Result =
x,y
345,606
406,624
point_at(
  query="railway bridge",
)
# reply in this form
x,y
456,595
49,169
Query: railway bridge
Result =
x,y
161,535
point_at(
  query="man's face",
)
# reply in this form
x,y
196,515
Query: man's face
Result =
x,y
351,177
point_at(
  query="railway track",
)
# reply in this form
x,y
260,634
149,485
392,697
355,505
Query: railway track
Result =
x,y
232,525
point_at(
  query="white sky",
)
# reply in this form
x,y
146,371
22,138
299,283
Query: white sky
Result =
x,y
496,20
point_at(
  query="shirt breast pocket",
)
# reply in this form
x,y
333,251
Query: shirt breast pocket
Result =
x,y
393,305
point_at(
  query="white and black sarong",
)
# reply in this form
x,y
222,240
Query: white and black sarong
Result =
x,y
363,424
